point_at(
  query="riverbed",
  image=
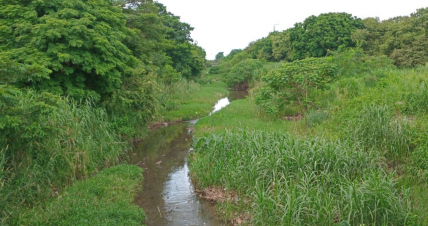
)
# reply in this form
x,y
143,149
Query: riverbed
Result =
x,y
167,195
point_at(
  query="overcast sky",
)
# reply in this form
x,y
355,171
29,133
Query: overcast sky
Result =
x,y
223,25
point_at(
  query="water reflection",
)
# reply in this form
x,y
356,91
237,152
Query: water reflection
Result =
x,y
220,104
167,194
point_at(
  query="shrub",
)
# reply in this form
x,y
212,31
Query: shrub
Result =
x,y
295,84
215,70
47,142
242,73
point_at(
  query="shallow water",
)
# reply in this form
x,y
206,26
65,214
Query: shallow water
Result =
x,y
167,194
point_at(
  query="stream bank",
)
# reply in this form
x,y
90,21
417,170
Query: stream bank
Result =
x,y
167,195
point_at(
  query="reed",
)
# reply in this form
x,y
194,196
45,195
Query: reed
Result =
x,y
292,181
49,143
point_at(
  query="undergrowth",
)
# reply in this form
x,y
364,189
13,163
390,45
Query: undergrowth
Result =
x,y
105,199
48,142
292,181
376,117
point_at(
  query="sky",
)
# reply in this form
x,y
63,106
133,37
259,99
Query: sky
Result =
x,y
223,25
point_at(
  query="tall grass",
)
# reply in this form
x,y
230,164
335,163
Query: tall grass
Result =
x,y
378,117
375,128
47,143
291,181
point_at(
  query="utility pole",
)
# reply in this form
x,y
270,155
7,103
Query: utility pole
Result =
x,y
274,27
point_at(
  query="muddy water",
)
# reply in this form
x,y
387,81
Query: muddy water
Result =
x,y
167,195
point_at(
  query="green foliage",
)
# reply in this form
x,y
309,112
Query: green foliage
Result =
x,y
232,53
242,74
319,34
261,49
219,55
281,45
295,84
290,181
417,101
137,99
185,100
79,42
229,62
354,62
314,118
214,70
380,111
47,142
403,39
187,58
375,128
105,199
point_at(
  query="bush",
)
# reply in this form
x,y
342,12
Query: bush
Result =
x,y
353,62
47,142
214,70
296,84
242,74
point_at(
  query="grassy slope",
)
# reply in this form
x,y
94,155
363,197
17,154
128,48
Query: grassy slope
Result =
x,y
240,114
105,199
192,101
388,117
77,149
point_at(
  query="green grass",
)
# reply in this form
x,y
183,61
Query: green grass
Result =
x,y
240,114
49,142
105,199
373,125
292,181
190,100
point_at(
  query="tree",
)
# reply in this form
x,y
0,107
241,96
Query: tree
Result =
x,y
79,42
319,34
281,45
261,49
404,39
187,58
219,56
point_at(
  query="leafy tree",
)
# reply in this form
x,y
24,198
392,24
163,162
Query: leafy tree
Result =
x,y
404,39
232,53
281,45
187,58
79,42
319,34
219,56
148,42
294,84
261,49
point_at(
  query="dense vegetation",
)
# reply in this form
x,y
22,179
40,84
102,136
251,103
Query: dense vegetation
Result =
x,y
334,130
78,80
403,39
357,157
333,134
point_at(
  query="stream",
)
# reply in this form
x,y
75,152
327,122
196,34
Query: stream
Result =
x,y
167,194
